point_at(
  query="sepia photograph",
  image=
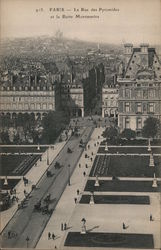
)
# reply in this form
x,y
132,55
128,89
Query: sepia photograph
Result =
x,y
80,124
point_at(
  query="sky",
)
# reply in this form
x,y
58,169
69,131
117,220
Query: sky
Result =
x,y
132,21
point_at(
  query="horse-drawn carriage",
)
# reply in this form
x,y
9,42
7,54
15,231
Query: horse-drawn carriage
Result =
x,y
69,150
47,198
44,209
48,173
37,206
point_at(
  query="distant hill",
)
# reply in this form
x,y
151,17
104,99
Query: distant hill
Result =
x,y
37,46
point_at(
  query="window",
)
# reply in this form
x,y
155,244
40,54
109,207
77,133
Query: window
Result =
x,y
127,93
138,107
151,93
20,106
38,106
8,106
151,107
145,93
127,106
138,93
44,106
14,106
50,106
130,68
139,123
32,106
26,106
127,122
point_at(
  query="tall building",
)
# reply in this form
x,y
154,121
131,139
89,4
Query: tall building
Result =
x,y
30,97
71,95
139,84
109,101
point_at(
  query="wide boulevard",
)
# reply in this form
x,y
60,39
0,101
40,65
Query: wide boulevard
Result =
x,y
28,224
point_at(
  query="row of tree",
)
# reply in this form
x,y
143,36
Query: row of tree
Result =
x,y
151,129
34,131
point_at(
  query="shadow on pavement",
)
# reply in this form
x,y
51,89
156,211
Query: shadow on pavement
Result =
x,y
90,230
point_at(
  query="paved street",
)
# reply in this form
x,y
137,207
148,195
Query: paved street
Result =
x,y
26,220
66,205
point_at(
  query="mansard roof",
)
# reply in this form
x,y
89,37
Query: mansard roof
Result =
x,y
139,60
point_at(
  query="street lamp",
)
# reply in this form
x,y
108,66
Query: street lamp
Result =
x,y
68,174
5,181
27,241
48,156
83,231
149,146
151,162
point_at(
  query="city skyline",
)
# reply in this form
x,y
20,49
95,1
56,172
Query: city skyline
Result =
x,y
127,21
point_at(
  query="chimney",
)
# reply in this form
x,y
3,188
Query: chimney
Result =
x,y
128,48
29,80
128,52
71,78
114,79
35,80
11,80
144,48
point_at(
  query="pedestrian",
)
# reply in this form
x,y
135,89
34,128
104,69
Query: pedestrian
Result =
x,y
151,217
53,236
123,225
61,226
77,191
65,226
9,234
84,173
13,198
75,199
49,236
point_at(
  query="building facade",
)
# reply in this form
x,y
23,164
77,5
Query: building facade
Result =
x,y
109,101
139,84
37,99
